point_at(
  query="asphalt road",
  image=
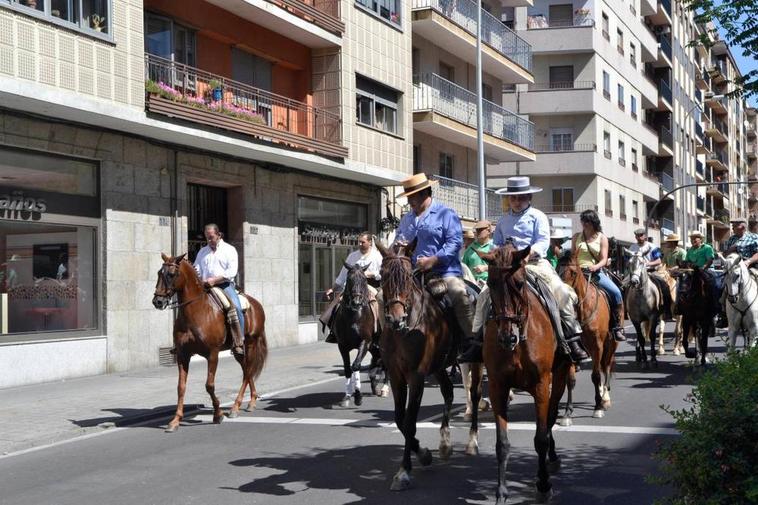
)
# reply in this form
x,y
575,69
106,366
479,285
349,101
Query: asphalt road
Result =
x,y
296,448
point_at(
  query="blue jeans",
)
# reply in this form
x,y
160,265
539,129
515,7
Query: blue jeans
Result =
x,y
610,288
228,288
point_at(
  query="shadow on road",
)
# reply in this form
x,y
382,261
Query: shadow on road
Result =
x,y
128,417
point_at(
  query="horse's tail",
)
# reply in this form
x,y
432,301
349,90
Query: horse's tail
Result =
x,y
260,345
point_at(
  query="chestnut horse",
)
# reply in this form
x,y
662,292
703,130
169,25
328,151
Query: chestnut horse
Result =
x,y
532,362
594,313
416,342
200,328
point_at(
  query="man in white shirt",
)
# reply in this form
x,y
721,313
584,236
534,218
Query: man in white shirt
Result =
x,y
365,256
216,264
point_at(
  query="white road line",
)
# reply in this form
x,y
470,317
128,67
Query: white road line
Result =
x,y
618,430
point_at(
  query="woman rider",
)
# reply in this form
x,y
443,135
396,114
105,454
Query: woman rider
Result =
x,y
590,247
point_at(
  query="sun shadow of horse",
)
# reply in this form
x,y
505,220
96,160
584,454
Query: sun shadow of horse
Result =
x,y
128,417
362,475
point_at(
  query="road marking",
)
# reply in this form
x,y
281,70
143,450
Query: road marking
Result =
x,y
618,430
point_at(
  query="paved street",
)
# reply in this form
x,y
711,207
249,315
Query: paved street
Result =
x,y
297,449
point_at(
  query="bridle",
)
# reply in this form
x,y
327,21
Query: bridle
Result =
x,y
169,292
505,320
735,299
396,300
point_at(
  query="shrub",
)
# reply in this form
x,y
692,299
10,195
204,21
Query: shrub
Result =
x,y
714,461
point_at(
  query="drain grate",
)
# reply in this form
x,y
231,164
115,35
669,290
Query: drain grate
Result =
x,y
165,358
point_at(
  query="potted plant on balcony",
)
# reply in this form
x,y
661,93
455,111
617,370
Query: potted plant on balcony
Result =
x,y
217,90
582,17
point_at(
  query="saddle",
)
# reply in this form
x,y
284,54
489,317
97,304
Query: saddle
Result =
x,y
222,299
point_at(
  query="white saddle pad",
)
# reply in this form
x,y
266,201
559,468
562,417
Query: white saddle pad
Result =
x,y
226,303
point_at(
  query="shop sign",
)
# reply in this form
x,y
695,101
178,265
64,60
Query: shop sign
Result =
x,y
18,206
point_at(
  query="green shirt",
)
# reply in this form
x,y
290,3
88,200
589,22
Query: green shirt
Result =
x,y
671,258
551,257
471,259
700,256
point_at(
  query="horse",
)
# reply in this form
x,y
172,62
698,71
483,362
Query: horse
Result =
x,y
741,308
676,350
594,313
694,303
354,328
200,328
416,342
533,364
643,303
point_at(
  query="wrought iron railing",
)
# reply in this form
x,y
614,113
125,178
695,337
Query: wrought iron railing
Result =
x,y
494,33
565,147
194,86
667,224
718,156
542,86
432,92
666,5
463,198
539,22
699,130
665,46
568,208
667,182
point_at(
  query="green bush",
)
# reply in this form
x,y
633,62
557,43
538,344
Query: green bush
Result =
x,y
715,460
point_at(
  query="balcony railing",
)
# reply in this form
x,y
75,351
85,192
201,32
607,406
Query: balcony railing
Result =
x,y
432,92
324,13
666,6
539,22
665,91
667,224
494,33
718,156
719,66
186,92
665,46
667,182
700,204
699,130
562,148
463,198
700,168
698,96
568,208
665,136
547,86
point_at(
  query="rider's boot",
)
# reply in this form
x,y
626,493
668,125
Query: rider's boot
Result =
x,y
617,323
573,337
238,347
473,351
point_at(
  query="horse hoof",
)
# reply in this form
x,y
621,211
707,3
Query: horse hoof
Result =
x,y
606,404
544,496
661,351
344,403
676,351
566,421
385,392
484,405
171,428
445,452
424,456
510,396
218,419
472,448
598,414
358,398
554,466
233,413
401,481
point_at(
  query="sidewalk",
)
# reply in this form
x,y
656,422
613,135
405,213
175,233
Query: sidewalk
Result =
x,y
45,413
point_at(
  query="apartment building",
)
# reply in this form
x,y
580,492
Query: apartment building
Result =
x,y
129,124
751,155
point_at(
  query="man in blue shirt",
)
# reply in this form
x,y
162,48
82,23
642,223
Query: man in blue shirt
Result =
x,y
745,244
439,236
654,258
525,226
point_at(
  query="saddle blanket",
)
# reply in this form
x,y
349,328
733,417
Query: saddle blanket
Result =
x,y
226,304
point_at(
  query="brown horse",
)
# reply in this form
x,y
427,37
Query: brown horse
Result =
x,y
417,342
594,312
200,328
520,350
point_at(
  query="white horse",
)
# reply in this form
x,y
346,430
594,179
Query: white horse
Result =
x,y
742,301
643,302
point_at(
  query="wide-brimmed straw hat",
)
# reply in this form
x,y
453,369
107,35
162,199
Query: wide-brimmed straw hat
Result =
x,y
468,233
640,231
696,234
518,185
480,225
738,219
673,237
416,183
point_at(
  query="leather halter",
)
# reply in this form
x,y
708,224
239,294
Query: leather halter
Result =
x,y
519,320
171,291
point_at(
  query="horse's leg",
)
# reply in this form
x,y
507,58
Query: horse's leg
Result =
x,y
561,378
210,386
653,340
499,398
640,354
733,327
708,330
477,372
415,395
183,361
661,328
542,437
356,381
466,380
571,384
446,388
348,373
677,350
608,359
597,382
402,479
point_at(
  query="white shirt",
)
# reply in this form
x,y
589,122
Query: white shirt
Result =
x,y
372,258
221,262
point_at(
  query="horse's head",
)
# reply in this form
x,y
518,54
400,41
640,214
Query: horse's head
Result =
x,y
637,268
169,281
356,286
398,287
736,271
568,268
507,283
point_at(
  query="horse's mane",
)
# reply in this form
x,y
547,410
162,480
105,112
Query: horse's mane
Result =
x,y
396,278
185,264
501,268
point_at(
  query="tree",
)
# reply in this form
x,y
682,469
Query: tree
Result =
x,y
739,19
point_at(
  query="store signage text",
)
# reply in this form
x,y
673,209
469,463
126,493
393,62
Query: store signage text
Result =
x,y
18,206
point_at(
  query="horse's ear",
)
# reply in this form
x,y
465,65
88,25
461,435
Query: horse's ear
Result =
x,y
520,257
180,258
411,247
380,247
487,257
628,252
165,258
365,267
344,264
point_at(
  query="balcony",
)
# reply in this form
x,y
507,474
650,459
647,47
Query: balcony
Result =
x,y
314,23
719,130
185,93
662,15
452,25
699,133
553,98
667,182
700,169
665,100
565,148
560,36
571,208
703,80
666,140
750,130
700,204
717,160
718,71
448,111
717,105
665,53
667,226
463,198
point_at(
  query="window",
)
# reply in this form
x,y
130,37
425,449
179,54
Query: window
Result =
x,y
620,41
635,212
386,9
620,89
446,165
328,231
606,85
634,106
376,105
608,204
562,77
561,140
169,40
447,72
633,54
561,15
634,160
607,144
622,207
486,92
90,15
563,200
417,159
621,155
606,30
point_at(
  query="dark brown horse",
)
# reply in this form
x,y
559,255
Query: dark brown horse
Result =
x,y
354,329
694,303
520,350
200,328
417,342
594,313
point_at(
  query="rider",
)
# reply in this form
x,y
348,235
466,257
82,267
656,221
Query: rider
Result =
x,y
742,242
216,264
591,249
653,256
483,244
365,256
701,255
673,255
438,234
526,226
